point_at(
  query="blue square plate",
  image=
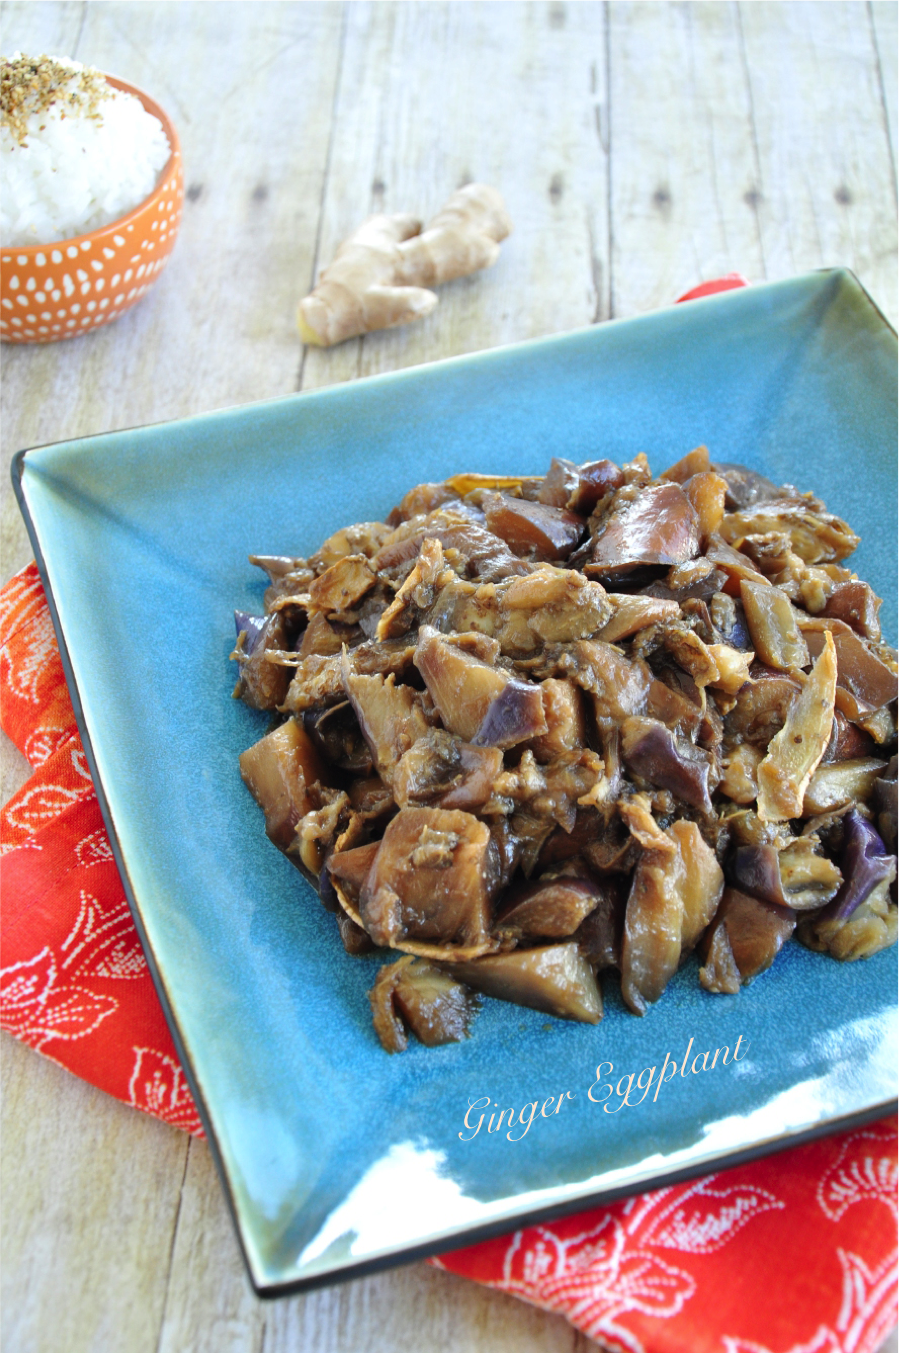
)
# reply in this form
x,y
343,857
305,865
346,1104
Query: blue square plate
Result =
x,y
336,1158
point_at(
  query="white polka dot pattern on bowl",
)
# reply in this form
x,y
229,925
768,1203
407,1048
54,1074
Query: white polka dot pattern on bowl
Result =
x,y
89,277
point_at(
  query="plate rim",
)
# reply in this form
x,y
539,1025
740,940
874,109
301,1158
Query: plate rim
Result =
x,y
269,1290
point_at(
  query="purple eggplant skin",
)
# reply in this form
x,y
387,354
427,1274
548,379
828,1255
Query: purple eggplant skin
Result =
x,y
884,799
254,627
864,863
754,870
327,892
514,716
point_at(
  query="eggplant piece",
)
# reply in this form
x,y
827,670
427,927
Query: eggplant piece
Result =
x,y
556,979
363,537
619,685
390,717
859,670
733,668
486,556
579,487
422,499
560,483
729,619
252,627
865,864
745,937
674,894
533,530
462,686
277,770
416,594
354,939
278,565
563,845
547,909
318,680
856,604
691,654
832,786
338,737
707,492
776,637
703,882
652,751
563,710
762,707
350,868
847,742
433,880
697,580
516,715
261,684
343,584
884,800
559,605
860,920
793,755
442,770
415,993
633,613
745,487
739,779
694,462
599,935
818,537
319,638
871,928
719,972
596,479
658,526
673,709
795,877
651,947
733,563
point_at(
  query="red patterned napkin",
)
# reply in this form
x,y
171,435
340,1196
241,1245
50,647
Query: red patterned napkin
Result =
x,y
793,1254
74,982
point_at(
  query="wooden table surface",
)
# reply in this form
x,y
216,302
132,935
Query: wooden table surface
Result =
x,y
641,148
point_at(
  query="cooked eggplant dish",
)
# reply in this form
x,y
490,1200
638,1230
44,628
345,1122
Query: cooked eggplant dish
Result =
x,y
529,729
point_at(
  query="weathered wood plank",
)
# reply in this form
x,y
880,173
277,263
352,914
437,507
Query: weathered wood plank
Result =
x,y
210,1306
501,93
885,22
90,1196
825,163
684,171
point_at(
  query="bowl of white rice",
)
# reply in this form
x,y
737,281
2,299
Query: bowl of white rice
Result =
x,y
92,190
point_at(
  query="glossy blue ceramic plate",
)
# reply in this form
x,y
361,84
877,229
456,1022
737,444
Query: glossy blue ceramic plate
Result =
x,y
336,1157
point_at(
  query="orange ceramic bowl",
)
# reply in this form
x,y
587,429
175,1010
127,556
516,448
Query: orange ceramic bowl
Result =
x,y
68,287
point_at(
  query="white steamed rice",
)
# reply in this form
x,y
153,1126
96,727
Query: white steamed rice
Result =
x,y
75,173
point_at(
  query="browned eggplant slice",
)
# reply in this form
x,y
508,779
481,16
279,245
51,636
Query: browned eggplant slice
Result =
x,y
753,931
433,879
658,526
556,979
415,993
549,908
278,770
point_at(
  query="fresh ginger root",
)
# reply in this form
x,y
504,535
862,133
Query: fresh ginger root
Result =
x,y
380,276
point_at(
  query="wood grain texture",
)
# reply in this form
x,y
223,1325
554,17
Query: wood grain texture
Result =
x,y
496,93
640,148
